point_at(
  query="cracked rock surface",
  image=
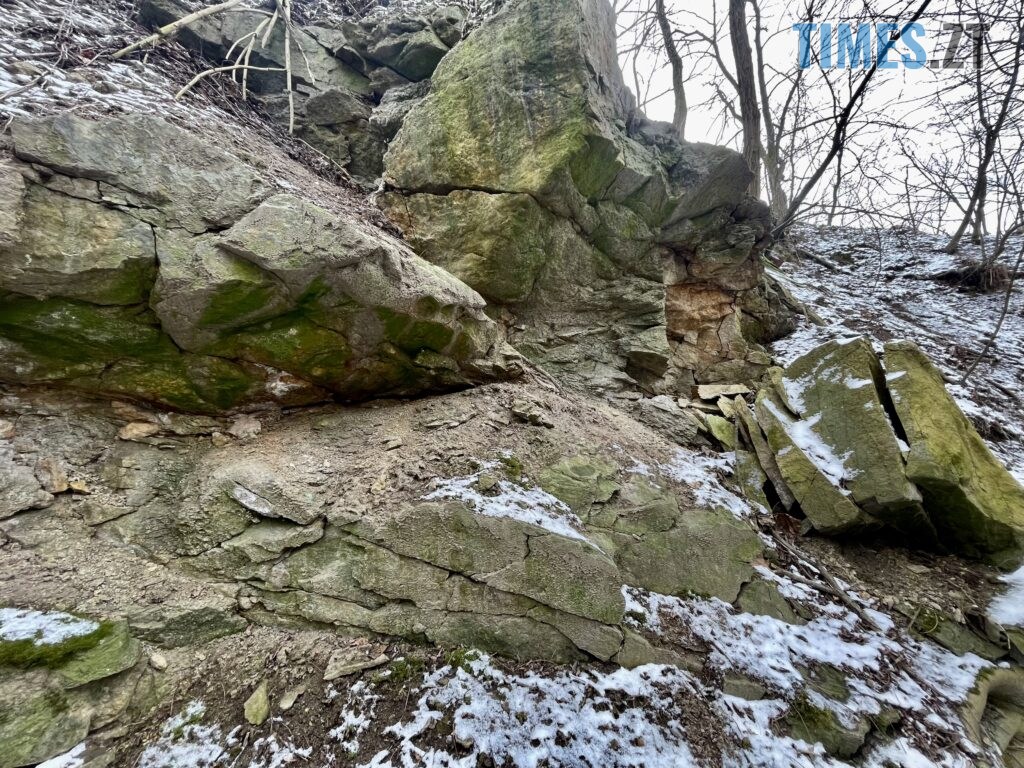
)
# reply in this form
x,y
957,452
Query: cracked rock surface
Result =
x,y
141,260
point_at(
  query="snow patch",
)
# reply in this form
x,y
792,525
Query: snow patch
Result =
x,y
567,718
1008,608
42,628
71,759
703,474
185,743
356,717
820,453
511,500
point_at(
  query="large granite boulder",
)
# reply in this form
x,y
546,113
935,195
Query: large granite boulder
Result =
x,y
528,173
139,260
856,446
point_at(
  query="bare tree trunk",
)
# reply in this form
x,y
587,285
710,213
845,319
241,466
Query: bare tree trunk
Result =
x,y
1000,320
678,86
772,151
750,115
992,131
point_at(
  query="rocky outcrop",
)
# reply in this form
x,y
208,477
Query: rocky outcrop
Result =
x,y
343,69
520,545
140,260
860,443
620,255
971,498
483,560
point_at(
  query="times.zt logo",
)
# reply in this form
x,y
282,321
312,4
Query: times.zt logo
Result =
x,y
889,45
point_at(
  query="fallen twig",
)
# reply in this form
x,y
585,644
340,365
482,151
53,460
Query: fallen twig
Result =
x,y
831,585
23,88
175,26
207,72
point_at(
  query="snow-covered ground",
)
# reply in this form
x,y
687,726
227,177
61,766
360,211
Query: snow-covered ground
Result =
x,y
885,286
1008,608
476,707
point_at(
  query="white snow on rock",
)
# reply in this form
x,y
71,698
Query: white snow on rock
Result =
x,y
704,474
884,668
507,499
42,628
766,648
1008,608
750,723
820,453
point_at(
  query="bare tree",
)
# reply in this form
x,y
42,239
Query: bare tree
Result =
x,y
678,84
840,130
651,32
746,85
992,126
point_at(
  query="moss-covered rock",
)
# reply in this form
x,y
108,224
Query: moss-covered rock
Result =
x,y
827,505
641,506
36,721
528,172
348,303
174,627
762,598
707,553
115,652
580,482
994,711
950,634
836,389
60,676
80,250
975,504
506,554
165,279
497,244
816,725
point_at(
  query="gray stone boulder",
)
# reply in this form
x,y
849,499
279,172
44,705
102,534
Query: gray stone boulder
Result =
x,y
172,178
72,677
77,250
340,73
19,488
354,314
858,443
528,173
405,42
974,503
140,260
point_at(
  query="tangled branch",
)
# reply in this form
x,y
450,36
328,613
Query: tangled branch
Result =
x,y
242,48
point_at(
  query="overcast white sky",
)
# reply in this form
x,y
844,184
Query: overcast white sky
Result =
x,y
894,94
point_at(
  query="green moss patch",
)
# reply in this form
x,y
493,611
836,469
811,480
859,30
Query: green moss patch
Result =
x,y
24,654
